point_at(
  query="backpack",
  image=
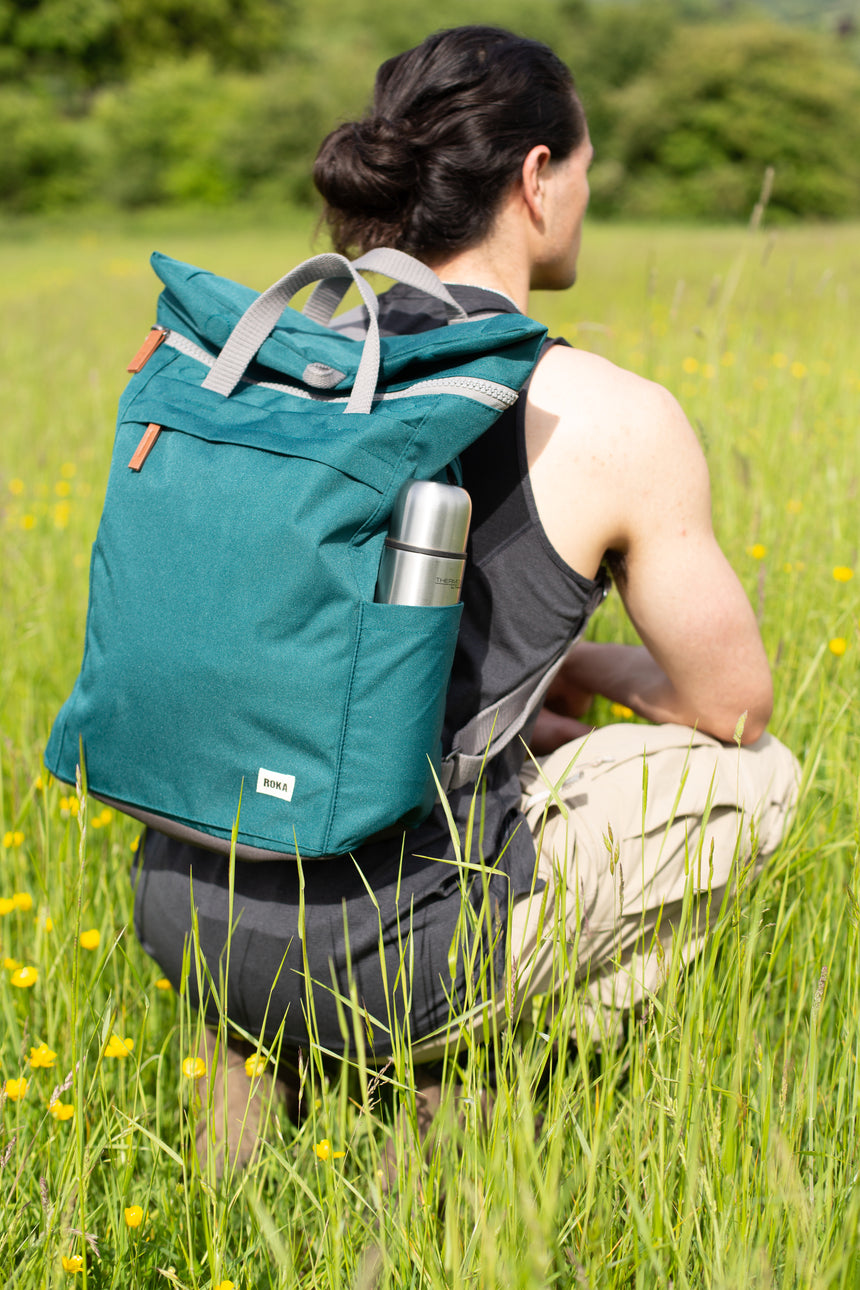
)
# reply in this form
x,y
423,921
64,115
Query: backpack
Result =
x,y
237,673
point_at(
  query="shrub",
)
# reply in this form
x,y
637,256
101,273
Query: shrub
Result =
x,y
160,135
184,133
46,160
695,134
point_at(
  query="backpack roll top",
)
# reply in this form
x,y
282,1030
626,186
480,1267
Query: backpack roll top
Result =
x,y
233,648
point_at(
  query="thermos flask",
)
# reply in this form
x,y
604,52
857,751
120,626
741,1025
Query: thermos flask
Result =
x,y
425,551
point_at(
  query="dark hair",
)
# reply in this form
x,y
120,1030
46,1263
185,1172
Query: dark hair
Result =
x,y
450,125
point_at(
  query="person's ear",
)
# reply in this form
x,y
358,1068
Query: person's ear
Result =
x,y
534,174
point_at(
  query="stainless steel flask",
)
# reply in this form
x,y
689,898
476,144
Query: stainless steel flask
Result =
x,y
424,555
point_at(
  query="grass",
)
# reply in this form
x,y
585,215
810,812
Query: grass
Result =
x,y
718,1145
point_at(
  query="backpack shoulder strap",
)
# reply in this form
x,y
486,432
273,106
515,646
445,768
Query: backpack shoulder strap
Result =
x,y
490,731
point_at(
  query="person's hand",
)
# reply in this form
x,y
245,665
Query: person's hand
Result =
x,y
552,729
559,719
566,695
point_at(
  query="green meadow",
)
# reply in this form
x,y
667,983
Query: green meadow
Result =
x,y
719,1144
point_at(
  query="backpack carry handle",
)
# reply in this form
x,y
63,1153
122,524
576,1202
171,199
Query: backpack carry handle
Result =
x,y
260,317
325,298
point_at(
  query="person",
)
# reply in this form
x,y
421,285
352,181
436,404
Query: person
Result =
x,y
474,158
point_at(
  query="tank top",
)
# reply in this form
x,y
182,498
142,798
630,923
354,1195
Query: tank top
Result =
x,y
521,604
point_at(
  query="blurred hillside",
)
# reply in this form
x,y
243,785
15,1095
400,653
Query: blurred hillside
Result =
x,y
133,103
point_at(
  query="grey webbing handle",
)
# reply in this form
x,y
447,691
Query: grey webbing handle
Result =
x,y
260,317
326,297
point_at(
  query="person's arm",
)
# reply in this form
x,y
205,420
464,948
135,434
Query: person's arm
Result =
x,y
628,452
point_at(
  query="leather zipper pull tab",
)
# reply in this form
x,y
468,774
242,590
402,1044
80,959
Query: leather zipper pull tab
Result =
x,y
145,447
148,348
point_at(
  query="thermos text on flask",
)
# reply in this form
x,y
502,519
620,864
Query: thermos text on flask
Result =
x,y
424,555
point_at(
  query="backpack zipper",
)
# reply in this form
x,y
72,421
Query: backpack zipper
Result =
x,y
156,335
482,391
145,447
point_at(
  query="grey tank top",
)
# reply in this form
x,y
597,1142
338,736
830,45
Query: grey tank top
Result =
x,y
521,604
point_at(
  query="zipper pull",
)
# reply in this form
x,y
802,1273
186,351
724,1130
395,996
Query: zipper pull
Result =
x,y
145,447
148,348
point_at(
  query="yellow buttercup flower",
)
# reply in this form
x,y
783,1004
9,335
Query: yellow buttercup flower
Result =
x,y
224,1285
193,1067
118,1047
89,939
42,1057
61,1110
136,843
620,711
838,645
842,573
23,900
74,1263
13,839
23,977
11,964
133,1216
163,984
15,1089
255,1065
758,551
7,904
324,1152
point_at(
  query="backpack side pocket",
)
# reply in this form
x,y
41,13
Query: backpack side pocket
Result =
x,y
393,727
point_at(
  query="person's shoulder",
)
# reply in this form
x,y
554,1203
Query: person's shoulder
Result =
x,y
574,381
595,406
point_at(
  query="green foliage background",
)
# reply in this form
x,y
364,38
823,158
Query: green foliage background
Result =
x,y
128,104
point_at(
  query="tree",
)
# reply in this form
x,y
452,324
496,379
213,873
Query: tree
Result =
x,y
86,43
693,135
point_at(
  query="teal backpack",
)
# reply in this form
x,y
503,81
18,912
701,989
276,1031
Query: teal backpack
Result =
x,y
235,662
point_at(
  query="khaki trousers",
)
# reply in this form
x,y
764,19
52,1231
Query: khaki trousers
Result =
x,y
626,822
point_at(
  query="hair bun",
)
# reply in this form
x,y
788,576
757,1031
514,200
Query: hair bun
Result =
x,y
366,166
378,129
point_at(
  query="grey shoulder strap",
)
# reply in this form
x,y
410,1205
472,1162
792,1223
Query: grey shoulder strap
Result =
x,y
489,731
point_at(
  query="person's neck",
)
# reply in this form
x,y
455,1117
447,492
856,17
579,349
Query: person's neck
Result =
x,y
488,265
